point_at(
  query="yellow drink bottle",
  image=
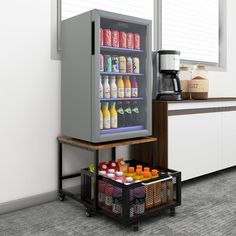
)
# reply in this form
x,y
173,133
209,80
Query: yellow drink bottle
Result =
x,y
113,113
106,116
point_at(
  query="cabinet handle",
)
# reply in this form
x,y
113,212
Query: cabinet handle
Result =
x,y
93,38
156,181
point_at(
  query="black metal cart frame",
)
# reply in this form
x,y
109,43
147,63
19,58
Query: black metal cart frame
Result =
x,y
92,206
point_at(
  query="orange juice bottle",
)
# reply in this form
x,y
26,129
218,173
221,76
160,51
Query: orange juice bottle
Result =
x,y
139,167
154,173
138,175
130,172
146,169
120,87
127,87
147,175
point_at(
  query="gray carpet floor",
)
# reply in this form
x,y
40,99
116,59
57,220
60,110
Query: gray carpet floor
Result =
x,y
208,208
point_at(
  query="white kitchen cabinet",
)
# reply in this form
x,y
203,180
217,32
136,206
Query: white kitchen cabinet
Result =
x,y
194,144
228,139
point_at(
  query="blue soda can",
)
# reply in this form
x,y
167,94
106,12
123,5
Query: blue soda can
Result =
x,y
115,63
107,63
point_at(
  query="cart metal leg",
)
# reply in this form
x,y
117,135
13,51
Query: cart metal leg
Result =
x,y
113,153
96,160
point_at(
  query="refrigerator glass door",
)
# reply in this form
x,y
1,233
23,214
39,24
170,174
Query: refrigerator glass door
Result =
x,y
121,69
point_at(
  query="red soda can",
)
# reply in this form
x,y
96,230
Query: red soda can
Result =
x,y
137,41
101,37
115,38
130,40
107,37
123,40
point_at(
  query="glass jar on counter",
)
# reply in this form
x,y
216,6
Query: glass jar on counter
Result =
x,y
199,85
185,77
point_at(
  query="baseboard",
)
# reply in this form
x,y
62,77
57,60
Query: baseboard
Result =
x,y
27,202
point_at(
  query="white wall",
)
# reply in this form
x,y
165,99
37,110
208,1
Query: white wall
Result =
x,y
30,98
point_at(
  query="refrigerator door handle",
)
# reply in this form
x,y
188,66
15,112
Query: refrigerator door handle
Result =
x,y
93,38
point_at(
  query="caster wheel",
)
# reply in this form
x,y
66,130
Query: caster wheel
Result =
x,y
88,212
172,211
135,227
61,197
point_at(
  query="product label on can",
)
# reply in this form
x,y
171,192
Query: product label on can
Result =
x,y
115,38
107,122
115,64
136,65
136,41
107,63
127,92
134,92
130,40
122,62
101,37
120,92
129,65
123,40
107,37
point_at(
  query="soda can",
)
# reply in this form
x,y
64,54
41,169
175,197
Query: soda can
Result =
x,y
107,63
101,62
122,63
107,37
101,37
123,43
136,65
137,41
115,38
129,65
130,40
115,63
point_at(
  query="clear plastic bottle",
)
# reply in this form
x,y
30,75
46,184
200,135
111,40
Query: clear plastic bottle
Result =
x,y
113,87
106,87
101,88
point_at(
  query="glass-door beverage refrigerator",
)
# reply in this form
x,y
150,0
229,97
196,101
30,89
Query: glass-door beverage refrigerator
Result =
x,y
106,84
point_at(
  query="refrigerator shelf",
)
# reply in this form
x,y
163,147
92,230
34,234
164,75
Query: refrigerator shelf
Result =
x,y
123,129
120,99
119,73
110,49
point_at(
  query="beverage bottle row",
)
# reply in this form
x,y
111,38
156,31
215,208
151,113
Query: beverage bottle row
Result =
x,y
119,39
124,114
118,88
119,64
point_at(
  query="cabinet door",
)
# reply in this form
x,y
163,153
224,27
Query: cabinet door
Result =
x,y
194,144
228,139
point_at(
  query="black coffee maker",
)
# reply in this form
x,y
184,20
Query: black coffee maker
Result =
x,y
166,65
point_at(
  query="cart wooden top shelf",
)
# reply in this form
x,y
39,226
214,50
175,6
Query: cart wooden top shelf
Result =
x,y
106,145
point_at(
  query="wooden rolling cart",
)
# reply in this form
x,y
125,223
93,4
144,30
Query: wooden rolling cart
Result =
x,y
92,178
